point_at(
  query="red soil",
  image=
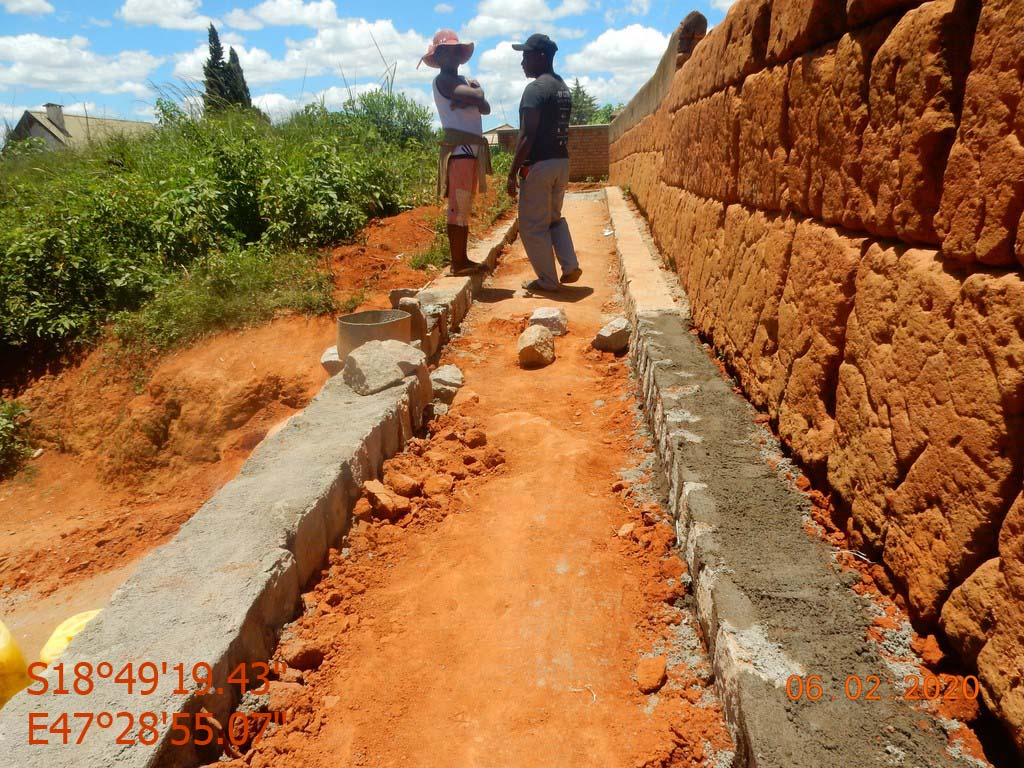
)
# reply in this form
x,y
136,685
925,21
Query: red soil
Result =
x,y
133,448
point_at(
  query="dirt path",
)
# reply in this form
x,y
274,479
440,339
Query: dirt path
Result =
x,y
131,452
501,623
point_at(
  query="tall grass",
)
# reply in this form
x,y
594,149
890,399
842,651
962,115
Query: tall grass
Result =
x,y
204,224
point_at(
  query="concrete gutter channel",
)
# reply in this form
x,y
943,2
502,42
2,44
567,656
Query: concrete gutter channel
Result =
x,y
219,592
769,600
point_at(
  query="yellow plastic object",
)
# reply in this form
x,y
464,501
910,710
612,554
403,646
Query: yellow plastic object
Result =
x,y
13,671
63,635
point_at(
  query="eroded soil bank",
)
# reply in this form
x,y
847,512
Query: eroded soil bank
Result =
x,y
512,616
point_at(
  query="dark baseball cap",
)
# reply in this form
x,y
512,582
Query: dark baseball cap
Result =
x,y
537,42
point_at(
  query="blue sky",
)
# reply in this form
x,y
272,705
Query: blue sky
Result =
x,y
114,57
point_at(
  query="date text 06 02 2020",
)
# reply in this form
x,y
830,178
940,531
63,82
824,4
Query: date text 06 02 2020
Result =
x,y
856,688
145,678
200,728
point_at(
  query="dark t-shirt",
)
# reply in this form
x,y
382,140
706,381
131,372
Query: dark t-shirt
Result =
x,y
551,96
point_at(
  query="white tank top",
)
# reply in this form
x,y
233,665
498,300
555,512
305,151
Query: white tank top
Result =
x,y
466,119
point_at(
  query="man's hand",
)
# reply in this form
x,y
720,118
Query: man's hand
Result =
x,y
512,186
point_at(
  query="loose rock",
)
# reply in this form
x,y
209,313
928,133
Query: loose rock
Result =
x,y
302,654
552,318
331,362
386,503
492,458
437,485
650,673
362,510
475,438
418,320
377,365
282,696
402,484
536,347
614,337
447,381
397,294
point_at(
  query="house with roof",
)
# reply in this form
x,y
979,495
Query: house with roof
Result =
x,y
58,129
492,135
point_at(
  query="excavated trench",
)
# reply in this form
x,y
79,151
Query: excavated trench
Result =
x,y
522,610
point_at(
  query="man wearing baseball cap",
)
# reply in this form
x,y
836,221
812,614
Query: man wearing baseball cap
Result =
x,y
540,168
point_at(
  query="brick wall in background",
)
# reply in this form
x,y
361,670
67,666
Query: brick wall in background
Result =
x,y
588,150
840,185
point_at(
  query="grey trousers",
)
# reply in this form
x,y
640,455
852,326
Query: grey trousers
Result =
x,y
544,231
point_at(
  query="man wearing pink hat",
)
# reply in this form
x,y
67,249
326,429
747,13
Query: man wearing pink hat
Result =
x,y
465,159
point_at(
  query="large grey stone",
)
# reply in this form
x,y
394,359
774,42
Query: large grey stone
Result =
x,y
418,319
378,365
446,381
536,347
614,337
396,295
552,318
331,362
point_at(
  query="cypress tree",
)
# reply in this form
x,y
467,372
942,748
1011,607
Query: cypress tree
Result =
x,y
214,71
223,81
583,105
238,88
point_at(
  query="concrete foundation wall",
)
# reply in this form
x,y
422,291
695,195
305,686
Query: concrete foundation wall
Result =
x,y
840,186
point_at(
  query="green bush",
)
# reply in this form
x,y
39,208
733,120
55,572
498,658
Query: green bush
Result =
x,y
203,224
14,445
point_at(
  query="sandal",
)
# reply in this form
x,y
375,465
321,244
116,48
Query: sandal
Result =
x,y
572,277
470,269
534,286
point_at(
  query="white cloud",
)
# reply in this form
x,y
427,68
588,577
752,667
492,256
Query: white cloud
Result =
x,y
10,113
31,7
169,14
258,65
67,65
634,8
285,13
348,49
723,5
443,8
240,19
86,108
500,17
630,54
94,22
352,48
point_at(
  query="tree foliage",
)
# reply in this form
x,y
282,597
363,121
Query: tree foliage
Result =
x,y
583,105
223,81
585,110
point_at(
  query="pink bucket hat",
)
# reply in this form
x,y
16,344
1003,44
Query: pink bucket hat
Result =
x,y
446,37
